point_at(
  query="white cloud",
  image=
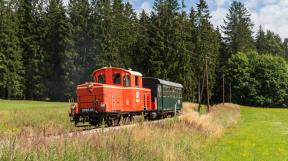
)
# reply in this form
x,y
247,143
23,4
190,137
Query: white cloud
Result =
x,y
273,17
146,6
218,16
271,14
221,3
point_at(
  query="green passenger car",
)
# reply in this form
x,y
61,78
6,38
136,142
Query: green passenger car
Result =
x,y
166,95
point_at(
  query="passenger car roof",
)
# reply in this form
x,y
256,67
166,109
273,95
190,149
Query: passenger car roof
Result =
x,y
161,81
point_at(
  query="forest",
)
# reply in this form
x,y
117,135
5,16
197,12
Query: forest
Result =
x,y
48,48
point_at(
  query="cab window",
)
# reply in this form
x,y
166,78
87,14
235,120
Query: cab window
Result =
x,y
126,81
101,78
116,78
136,81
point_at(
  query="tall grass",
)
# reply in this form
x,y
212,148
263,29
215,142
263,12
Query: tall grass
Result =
x,y
183,138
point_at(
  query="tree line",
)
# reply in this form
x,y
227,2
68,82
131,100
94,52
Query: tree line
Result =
x,y
47,48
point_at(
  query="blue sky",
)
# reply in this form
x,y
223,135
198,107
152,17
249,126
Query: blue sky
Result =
x,y
271,14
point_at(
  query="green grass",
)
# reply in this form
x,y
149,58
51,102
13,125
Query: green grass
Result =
x,y
262,134
34,117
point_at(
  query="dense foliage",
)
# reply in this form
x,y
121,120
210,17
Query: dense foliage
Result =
x,y
47,48
260,80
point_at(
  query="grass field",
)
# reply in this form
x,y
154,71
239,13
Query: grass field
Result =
x,y
260,134
34,117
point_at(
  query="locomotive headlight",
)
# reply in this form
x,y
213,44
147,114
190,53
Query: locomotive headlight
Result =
x,y
102,105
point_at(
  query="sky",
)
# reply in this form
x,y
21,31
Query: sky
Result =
x,y
271,14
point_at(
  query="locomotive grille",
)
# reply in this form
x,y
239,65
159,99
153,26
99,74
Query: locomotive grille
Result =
x,y
146,100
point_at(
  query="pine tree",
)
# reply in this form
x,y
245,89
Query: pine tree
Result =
x,y
269,43
162,45
207,45
11,66
238,29
184,52
274,44
30,35
285,44
140,55
261,41
59,52
79,13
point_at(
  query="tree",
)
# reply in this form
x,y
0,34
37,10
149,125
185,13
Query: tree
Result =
x,y
162,39
30,35
261,43
285,43
140,54
184,52
207,45
238,29
269,43
11,66
59,53
79,14
274,44
258,80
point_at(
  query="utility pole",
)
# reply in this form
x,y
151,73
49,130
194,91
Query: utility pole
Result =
x,y
201,89
223,88
199,97
207,81
230,93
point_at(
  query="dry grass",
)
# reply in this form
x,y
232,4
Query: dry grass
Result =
x,y
214,123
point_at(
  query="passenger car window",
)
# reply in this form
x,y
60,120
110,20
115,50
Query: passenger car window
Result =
x,y
136,81
101,78
126,81
116,78
159,91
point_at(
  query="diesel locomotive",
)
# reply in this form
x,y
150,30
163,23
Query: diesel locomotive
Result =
x,y
118,93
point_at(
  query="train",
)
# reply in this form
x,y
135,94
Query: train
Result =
x,y
117,93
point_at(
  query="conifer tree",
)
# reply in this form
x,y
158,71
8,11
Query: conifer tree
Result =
x,y
261,41
30,35
79,13
140,54
207,45
11,66
185,47
269,43
285,43
238,29
59,52
106,45
162,51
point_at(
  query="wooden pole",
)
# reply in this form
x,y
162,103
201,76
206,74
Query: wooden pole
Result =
x,y
199,96
230,93
223,88
207,82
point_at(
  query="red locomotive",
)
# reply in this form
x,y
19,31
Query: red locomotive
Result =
x,y
118,93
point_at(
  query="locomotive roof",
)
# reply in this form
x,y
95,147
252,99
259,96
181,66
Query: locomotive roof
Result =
x,y
129,71
161,81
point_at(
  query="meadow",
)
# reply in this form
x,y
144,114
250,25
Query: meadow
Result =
x,y
34,117
223,134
